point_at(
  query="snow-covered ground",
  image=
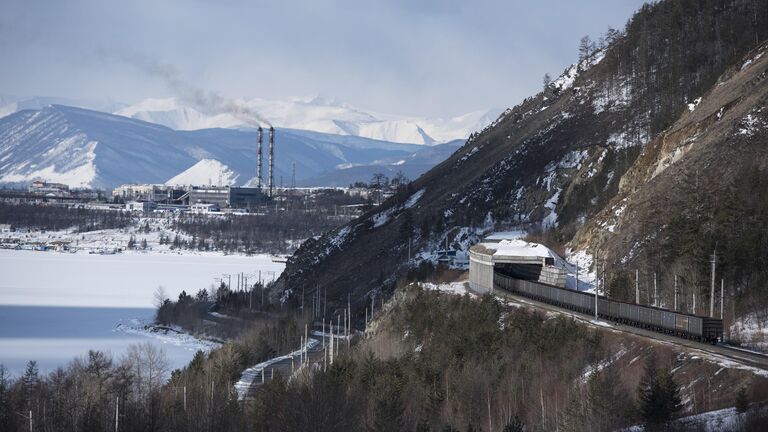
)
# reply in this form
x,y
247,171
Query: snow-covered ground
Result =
x,y
751,331
711,421
458,288
121,280
56,306
169,335
109,239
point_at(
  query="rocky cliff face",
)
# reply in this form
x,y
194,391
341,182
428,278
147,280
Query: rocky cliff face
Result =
x,y
553,162
697,188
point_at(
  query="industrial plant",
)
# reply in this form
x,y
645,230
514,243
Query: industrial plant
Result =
x,y
217,197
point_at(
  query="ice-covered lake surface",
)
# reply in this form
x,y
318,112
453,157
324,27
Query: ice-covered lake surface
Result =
x,y
56,306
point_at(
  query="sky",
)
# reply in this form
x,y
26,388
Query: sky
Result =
x,y
409,57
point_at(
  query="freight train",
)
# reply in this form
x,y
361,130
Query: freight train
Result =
x,y
703,329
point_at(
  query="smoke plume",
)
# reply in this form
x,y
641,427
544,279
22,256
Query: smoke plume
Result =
x,y
208,102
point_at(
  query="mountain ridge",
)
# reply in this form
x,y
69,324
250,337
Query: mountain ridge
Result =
x,y
317,114
86,148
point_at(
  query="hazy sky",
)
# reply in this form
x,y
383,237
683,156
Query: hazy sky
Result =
x,y
417,57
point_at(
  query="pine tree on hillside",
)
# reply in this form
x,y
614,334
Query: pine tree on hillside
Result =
x,y
742,400
659,395
672,403
515,425
586,47
30,381
5,405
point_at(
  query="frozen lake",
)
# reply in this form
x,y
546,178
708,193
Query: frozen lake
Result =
x,y
55,306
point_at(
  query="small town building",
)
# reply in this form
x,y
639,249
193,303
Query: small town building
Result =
x,y
148,192
141,206
204,208
48,189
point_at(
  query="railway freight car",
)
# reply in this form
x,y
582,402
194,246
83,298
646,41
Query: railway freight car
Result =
x,y
687,326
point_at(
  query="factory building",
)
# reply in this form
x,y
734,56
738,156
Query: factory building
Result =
x,y
148,192
225,196
515,258
49,189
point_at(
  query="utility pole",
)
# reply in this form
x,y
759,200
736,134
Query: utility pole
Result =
x,y
712,292
602,283
637,286
597,286
694,302
722,296
655,292
117,412
349,315
675,292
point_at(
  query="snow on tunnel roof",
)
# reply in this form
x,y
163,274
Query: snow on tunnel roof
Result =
x,y
522,248
514,248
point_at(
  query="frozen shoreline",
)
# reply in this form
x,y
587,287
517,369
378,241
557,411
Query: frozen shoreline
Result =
x,y
121,280
172,335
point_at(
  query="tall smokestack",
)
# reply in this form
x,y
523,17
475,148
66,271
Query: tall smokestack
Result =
x,y
258,160
271,157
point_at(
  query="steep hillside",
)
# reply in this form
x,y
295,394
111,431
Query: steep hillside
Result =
x,y
552,162
699,187
83,148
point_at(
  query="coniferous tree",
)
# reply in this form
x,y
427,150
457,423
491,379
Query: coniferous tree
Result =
x,y
5,406
515,425
742,400
659,395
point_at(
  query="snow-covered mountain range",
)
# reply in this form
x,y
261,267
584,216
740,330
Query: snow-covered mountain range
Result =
x,y
317,114
86,148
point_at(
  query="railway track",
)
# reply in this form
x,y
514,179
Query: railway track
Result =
x,y
725,352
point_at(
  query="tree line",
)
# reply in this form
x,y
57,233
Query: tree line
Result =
x,y
48,217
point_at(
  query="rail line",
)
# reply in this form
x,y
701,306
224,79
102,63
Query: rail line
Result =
x,y
745,358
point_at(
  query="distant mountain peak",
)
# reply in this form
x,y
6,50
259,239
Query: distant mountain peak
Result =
x,y
205,172
318,113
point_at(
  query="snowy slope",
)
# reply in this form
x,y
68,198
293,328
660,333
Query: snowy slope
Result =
x,y
81,148
168,112
317,114
205,172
